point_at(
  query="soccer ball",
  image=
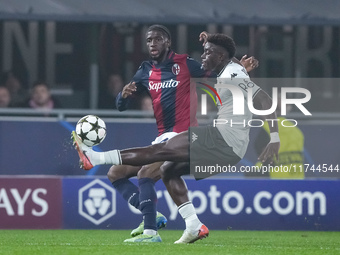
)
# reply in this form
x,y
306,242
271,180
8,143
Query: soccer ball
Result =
x,y
91,130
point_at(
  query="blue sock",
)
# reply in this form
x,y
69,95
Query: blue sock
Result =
x,y
128,190
148,202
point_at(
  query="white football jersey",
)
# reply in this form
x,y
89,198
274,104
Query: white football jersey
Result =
x,y
234,128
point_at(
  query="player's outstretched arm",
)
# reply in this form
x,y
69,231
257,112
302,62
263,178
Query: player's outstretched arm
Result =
x,y
203,37
250,63
262,101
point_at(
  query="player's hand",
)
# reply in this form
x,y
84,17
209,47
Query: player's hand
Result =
x,y
249,63
129,89
271,150
203,37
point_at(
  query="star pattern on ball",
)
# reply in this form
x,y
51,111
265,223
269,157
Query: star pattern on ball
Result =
x,y
91,129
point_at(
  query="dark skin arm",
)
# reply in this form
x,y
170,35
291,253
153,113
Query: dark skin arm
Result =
x,y
263,102
248,63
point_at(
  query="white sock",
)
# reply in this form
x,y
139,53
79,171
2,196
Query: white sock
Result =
x,y
104,158
112,157
188,213
150,232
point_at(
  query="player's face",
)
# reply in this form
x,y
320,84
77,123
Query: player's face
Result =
x,y
158,45
212,58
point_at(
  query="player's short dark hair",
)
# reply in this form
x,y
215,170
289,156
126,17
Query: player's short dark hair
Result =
x,y
224,41
164,30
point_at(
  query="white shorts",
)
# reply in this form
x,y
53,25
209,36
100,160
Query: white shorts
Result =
x,y
164,137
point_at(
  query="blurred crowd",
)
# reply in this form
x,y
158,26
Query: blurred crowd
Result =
x,y
114,85
38,95
13,94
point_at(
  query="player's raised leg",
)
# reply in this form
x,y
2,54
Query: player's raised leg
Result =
x,y
89,158
175,149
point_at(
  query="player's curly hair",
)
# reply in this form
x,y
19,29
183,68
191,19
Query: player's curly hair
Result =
x,y
224,41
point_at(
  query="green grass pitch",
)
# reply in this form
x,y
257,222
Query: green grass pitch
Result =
x,y
50,242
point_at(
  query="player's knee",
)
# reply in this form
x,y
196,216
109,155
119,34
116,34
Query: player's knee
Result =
x,y
144,172
115,173
165,172
149,172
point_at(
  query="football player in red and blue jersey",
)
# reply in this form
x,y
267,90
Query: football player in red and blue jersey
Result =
x,y
166,78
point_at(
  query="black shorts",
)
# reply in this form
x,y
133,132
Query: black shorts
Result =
x,y
209,152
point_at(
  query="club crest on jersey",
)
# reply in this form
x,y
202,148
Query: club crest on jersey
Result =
x,y
176,69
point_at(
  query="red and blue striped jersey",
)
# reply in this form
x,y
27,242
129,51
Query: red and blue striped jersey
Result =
x,y
173,96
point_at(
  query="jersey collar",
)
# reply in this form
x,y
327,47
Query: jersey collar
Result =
x,y
230,62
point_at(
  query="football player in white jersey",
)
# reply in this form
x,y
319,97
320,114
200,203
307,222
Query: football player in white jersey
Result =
x,y
221,143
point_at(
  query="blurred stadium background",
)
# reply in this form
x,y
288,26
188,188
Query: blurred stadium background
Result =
x,y
75,45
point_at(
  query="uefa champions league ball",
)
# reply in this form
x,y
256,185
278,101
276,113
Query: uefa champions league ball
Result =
x,y
91,130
